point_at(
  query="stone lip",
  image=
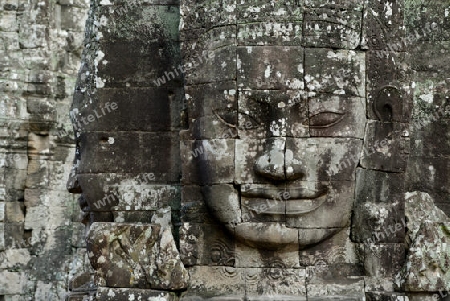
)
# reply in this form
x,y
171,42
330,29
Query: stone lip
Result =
x,y
299,207
292,192
292,201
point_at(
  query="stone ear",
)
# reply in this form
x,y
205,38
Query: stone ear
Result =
x,y
388,104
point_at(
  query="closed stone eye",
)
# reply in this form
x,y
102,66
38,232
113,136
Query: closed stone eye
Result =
x,y
325,119
248,121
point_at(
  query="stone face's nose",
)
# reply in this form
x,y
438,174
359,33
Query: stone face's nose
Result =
x,y
275,161
270,164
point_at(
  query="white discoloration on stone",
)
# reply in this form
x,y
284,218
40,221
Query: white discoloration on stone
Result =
x,y
99,83
267,72
427,97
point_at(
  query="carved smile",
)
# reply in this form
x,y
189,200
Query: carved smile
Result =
x,y
290,201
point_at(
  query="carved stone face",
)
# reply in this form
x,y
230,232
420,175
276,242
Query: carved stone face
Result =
x,y
127,122
276,124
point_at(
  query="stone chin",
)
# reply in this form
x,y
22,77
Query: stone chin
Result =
x,y
274,236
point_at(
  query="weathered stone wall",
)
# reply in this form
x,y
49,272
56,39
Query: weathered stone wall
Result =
x,y
127,112
41,238
168,178
256,77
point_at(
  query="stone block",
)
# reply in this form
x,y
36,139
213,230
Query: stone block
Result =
x,y
32,36
15,161
11,41
114,148
125,294
270,67
207,161
263,11
161,156
41,109
419,208
275,284
36,197
46,216
132,216
386,296
223,202
424,59
60,172
378,284
150,261
12,234
384,260
336,249
430,119
272,32
432,179
386,146
198,14
212,110
72,18
426,266
78,235
272,113
379,212
14,259
203,65
336,116
441,296
251,151
283,258
384,25
131,109
145,196
341,288
193,206
14,212
127,192
11,195
17,179
11,283
8,21
266,235
379,187
38,174
322,159
2,236
2,211
350,297
330,211
379,223
125,57
15,107
206,244
221,282
335,71
333,26
107,152
389,86
429,25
